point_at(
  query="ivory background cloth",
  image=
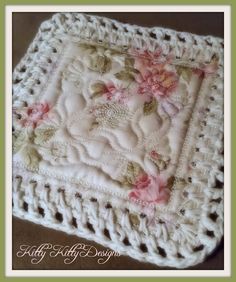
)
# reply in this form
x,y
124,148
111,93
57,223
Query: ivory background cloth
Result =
x,y
25,26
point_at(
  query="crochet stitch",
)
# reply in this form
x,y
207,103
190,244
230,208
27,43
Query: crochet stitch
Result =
x,y
117,137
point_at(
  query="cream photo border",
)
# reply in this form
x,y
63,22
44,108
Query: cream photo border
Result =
x,y
227,143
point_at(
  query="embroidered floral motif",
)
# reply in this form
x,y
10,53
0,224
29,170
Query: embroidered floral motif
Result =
x,y
34,114
129,72
20,139
110,91
31,157
184,72
150,107
23,145
134,219
150,189
99,63
43,135
160,161
24,140
113,89
157,83
148,59
133,170
98,89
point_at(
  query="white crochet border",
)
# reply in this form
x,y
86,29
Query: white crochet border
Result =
x,y
28,79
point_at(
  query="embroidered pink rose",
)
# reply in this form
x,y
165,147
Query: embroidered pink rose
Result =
x,y
34,114
112,91
146,58
159,83
150,189
154,154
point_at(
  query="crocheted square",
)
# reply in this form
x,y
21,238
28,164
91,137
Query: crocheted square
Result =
x,y
117,137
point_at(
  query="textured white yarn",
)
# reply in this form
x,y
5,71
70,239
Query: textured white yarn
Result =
x,y
79,203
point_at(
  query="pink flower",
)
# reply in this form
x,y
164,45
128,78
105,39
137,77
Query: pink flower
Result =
x,y
34,114
157,82
111,91
142,182
150,189
154,154
147,58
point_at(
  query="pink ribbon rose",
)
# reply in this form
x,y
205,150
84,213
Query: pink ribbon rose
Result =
x,y
157,82
34,114
150,189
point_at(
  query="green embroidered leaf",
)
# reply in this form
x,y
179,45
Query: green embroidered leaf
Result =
x,y
129,62
98,89
185,72
160,161
88,47
31,157
43,135
124,75
134,219
99,63
170,182
133,170
161,164
175,180
20,139
150,107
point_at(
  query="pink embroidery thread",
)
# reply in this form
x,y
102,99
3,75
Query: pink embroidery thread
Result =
x,y
35,114
146,58
150,189
111,91
158,83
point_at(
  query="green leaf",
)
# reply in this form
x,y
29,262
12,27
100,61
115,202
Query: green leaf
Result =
x,y
31,157
98,89
150,107
129,62
88,47
184,72
170,182
133,170
175,180
161,161
161,164
20,139
43,135
124,75
129,65
99,63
